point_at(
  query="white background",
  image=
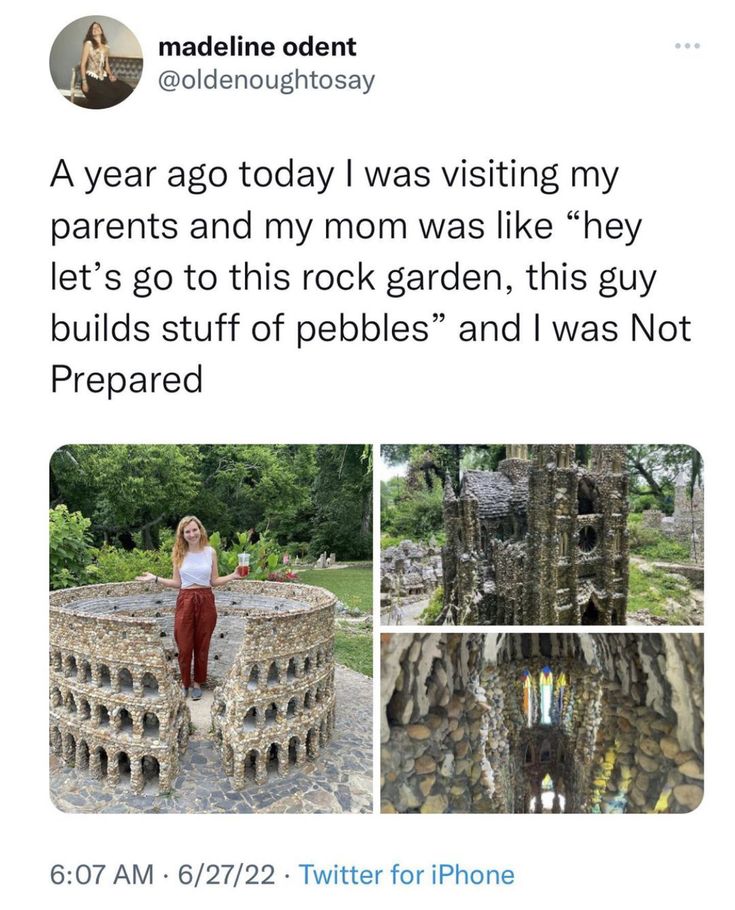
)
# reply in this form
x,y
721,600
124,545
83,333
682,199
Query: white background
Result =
x,y
565,82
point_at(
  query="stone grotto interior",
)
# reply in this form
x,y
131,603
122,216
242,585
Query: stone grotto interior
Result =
x,y
542,722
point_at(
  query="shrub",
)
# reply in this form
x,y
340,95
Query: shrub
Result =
x,y
283,575
70,549
653,544
115,564
430,615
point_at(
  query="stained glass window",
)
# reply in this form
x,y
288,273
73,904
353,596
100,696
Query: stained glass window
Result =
x,y
527,696
546,691
561,684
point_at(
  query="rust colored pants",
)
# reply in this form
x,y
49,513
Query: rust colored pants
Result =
x,y
196,617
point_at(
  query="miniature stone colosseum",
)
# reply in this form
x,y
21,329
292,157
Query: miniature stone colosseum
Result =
x,y
116,702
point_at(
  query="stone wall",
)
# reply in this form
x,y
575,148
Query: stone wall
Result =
x,y
117,708
409,572
541,541
435,725
277,705
686,524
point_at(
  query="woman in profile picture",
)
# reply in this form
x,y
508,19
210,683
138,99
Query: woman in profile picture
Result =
x,y
100,85
195,573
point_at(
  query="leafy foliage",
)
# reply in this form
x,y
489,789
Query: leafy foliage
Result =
x,y
655,469
301,496
69,547
413,514
342,520
659,593
652,544
430,615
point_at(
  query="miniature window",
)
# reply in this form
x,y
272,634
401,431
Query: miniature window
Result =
x,y
561,685
527,697
546,690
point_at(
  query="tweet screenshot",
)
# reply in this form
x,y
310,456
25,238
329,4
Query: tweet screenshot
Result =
x,y
313,599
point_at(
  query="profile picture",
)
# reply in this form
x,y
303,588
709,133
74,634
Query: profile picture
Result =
x,y
96,63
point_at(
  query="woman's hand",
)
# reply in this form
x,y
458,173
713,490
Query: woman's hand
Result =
x,y
85,87
113,77
146,576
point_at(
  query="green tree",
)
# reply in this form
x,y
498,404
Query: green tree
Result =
x,y
259,487
127,488
656,468
343,502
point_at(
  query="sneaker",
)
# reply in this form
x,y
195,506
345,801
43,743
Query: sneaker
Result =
x,y
196,693
184,691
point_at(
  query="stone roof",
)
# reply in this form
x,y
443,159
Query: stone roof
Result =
x,y
496,496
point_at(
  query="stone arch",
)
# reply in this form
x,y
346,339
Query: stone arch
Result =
x,y
55,696
103,716
151,725
294,745
308,700
273,678
85,712
250,721
123,765
271,715
588,497
124,721
273,760
592,613
150,769
150,685
254,677
250,769
291,708
70,666
70,703
124,680
291,670
85,671
104,677
307,665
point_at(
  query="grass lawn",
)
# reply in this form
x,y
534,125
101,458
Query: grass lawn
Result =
x,y
354,649
353,641
353,586
653,590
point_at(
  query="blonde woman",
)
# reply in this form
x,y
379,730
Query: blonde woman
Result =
x,y
100,85
195,574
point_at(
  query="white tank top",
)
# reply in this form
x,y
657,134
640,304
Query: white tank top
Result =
x,y
196,569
